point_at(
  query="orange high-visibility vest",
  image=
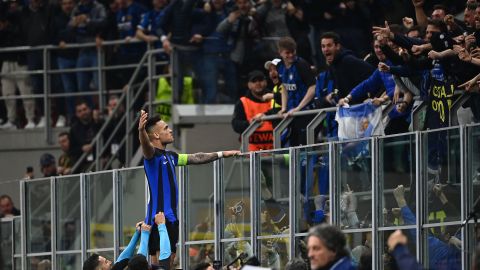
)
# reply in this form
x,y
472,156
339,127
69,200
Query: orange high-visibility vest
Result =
x,y
262,138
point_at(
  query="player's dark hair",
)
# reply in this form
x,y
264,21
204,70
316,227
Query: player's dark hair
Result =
x,y
138,262
91,263
151,122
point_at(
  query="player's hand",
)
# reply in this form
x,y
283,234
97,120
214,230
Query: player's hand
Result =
x,y
143,120
160,218
146,227
383,67
138,226
231,153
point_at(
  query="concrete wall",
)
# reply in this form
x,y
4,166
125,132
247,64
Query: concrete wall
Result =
x,y
19,149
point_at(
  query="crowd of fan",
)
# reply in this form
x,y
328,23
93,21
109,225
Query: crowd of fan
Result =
x,y
410,62
228,37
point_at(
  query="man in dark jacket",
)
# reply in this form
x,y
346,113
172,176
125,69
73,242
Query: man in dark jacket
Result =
x,y
344,69
36,18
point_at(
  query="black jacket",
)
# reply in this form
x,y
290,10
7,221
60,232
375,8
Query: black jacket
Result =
x,y
347,71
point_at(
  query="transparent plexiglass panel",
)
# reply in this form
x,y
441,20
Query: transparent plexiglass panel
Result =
x,y
232,251
273,252
473,165
236,197
359,244
199,254
354,184
301,248
100,210
18,264
69,261
199,208
396,178
312,187
132,201
273,175
6,244
387,259
38,216
441,176
68,212
17,223
39,263
443,247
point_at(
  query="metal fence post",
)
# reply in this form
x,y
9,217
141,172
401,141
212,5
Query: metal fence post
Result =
x,y
53,222
46,93
253,201
293,152
23,223
101,82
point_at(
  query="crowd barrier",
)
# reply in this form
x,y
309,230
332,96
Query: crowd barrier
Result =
x,y
263,203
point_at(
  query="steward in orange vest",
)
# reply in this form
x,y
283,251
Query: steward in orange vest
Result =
x,y
251,107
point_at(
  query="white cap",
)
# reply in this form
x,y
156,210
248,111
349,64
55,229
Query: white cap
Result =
x,y
273,62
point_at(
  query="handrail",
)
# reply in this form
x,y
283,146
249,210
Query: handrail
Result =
x,y
312,125
70,45
126,97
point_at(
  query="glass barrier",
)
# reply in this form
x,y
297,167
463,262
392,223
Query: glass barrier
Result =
x,y
441,161
6,244
443,247
40,262
200,253
199,213
354,175
397,177
232,251
18,264
236,197
69,261
38,223
67,191
273,175
312,187
301,248
132,201
17,227
359,244
386,258
99,210
274,252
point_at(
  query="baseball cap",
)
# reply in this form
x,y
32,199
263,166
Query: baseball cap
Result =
x,y
272,62
46,160
256,74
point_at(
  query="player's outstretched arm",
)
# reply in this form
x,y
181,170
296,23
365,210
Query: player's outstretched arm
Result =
x,y
147,147
202,158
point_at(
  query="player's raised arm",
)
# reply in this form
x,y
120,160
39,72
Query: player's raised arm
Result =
x,y
202,158
147,147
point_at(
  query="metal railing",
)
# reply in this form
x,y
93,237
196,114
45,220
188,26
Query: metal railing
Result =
x,y
47,72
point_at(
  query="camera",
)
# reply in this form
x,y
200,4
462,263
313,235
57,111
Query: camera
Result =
x,y
237,209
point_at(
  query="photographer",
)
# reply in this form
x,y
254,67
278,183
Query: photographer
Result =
x,y
280,18
240,31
